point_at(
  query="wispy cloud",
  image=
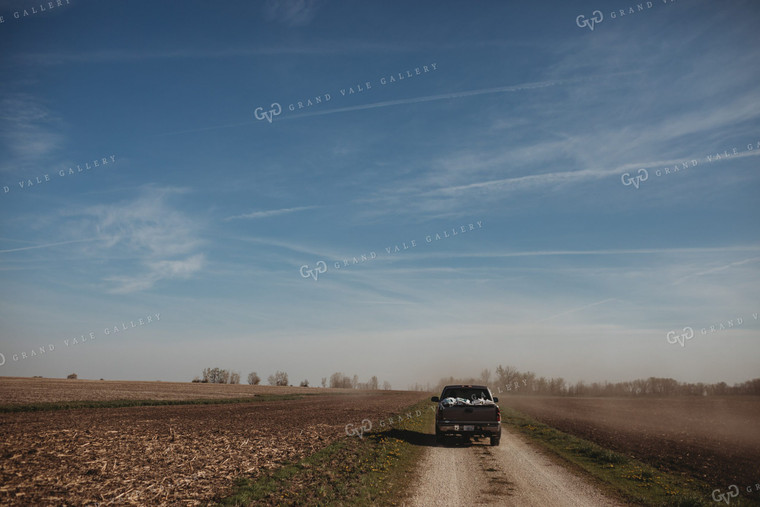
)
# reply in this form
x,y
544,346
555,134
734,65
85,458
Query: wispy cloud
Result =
x,y
630,251
29,129
97,56
163,240
48,245
270,213
157,270
574,176
291,12
468,179
134,55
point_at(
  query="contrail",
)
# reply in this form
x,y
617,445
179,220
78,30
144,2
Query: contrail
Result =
x,y
430,98
714,270
47,246
271,213
400,102
579,309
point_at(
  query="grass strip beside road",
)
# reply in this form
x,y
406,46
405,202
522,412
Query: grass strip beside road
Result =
x,y
628,478
372,470
69,405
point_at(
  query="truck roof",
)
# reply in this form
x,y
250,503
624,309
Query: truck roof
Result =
x,y
466,385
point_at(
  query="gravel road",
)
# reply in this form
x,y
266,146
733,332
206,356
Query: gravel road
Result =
x,y
514,473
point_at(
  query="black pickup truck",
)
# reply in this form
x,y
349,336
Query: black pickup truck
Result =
x,y
468,411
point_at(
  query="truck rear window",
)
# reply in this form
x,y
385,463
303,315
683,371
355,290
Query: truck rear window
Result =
x,y
467,393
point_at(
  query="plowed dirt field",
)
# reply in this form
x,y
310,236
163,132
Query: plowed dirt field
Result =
x,y
178,455
714,438
15,390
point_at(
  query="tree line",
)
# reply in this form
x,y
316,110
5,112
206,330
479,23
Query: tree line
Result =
x,y
337,379
509,380
280,378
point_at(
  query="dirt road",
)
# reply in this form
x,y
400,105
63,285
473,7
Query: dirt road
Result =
x,y
514,473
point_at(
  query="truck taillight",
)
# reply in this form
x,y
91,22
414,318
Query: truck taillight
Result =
x,y
498,415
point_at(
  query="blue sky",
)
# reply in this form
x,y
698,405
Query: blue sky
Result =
x,y
526,121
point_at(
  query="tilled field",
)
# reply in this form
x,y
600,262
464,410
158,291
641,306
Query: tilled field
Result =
x,y
16,390
714,438
178,455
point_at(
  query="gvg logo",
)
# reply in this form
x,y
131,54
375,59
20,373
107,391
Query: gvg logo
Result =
x,y
688,333
673,336
319,268
366,426
596,17
728,495
627,179
275,110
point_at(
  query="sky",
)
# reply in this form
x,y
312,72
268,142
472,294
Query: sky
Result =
x,y
410,190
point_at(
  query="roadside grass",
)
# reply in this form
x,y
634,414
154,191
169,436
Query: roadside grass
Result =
x,y
628,478
68,405
372,470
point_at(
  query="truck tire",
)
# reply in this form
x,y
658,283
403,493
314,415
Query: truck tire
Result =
x,y
495,440
438,437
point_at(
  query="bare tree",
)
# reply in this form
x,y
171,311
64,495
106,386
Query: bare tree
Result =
x,y
234,377
337,379
557,386
280,378
72,376
387,385
507,375
210,375
253,378
304,383
324,381
216,376
372,383
485,376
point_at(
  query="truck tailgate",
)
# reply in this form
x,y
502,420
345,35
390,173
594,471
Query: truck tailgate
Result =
x,y
485,413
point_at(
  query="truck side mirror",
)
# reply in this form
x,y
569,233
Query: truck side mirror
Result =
x,y
435,399
495,399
